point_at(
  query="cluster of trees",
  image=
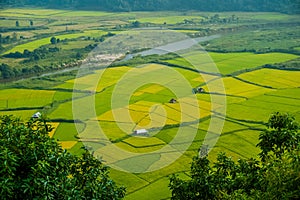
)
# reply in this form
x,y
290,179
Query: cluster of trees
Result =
x,y
274,176
8,39
54,40
34,166
36,54
216,19
287,6
8,72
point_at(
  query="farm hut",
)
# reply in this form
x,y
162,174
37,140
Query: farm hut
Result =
x,y
173,101
36,115
140,132
198,90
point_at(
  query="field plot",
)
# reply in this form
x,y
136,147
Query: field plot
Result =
x,y
112,130
97,81
273,103
61,135
259,108
40,42
22,23
158,186
67,144
238,141
228,63
132,181
240,61
291,93
273,78
63,111
54,126
242,89
62,96
168,19
17,98
34,12
151,114
23,114
139,142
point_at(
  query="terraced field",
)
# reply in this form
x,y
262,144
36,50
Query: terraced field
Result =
x,y
252,93
228,63
38,43
251,97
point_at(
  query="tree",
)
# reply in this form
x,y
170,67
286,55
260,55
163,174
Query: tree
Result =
x,y
281,135
136,24
31,23
17,24
274,177
53,40
34,166
6,71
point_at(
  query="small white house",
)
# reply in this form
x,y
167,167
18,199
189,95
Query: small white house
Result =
x,y
36,115
140,132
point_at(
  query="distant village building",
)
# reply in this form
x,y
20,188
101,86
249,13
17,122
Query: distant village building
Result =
x,y
173,101
198,90
36,115
141,132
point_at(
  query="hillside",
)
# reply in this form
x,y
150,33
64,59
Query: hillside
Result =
x,y
284,6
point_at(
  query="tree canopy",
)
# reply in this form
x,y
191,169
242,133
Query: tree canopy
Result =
x,y
34,166
286,6
275,176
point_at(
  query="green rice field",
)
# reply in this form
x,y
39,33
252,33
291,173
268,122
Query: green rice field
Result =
x,y
251,91
250,107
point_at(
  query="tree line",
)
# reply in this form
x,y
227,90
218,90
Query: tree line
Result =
x,y
285,6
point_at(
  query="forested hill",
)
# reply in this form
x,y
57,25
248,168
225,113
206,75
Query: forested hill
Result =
x,y
284,6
